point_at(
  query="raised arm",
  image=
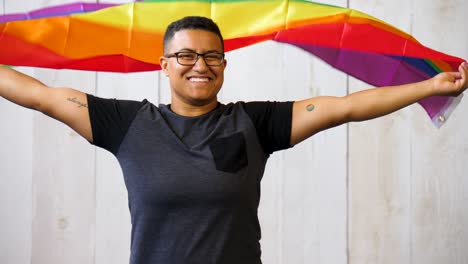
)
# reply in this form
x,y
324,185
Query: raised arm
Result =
x,y
316,114
64,104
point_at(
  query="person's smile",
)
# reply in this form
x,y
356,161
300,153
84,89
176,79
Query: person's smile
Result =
x,y
199,79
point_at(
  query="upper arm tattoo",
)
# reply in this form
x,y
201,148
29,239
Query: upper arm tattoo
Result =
x,y
310,107
77,102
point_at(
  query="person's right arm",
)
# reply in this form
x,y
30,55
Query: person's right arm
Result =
x,y
66,105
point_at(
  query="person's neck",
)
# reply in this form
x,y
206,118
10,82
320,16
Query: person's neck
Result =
x,y
192,110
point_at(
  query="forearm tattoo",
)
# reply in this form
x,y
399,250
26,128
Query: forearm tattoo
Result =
x,y
75,101
310,107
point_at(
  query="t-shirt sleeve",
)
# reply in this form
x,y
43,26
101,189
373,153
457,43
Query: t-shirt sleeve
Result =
x,y
110,120
273,121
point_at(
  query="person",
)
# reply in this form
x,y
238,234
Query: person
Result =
x,y
193,168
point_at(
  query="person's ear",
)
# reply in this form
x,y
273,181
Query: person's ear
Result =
x,y
163,64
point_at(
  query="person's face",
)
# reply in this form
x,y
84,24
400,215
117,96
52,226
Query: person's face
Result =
x,y
199,84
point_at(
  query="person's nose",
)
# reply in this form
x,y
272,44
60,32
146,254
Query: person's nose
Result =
x,y
200,64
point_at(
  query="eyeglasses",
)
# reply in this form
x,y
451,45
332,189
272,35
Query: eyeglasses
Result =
x,y
189,58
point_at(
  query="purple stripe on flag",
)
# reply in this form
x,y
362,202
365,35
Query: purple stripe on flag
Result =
x,y
59,10
377,70
373,68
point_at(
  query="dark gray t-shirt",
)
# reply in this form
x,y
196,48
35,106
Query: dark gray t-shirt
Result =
x,y
193,182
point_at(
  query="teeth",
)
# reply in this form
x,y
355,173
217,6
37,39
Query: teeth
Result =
x,y
198,79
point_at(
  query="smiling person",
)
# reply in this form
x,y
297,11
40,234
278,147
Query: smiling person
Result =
x,y
193,168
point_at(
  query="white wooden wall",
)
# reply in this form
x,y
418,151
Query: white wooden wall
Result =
x,y
390,190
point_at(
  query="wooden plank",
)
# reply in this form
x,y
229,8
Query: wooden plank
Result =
x,y
314,176
439,182
63,181
15,192
47,207
15,170
379,169
398,213
112,214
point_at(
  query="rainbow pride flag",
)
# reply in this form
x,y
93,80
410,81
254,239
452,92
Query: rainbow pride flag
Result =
x,y
128,38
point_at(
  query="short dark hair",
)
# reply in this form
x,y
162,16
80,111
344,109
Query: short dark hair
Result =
x,y
191,22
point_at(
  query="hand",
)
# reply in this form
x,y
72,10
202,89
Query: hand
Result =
x,y
451,83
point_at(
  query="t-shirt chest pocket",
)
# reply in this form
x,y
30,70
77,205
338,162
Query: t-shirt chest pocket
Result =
x,y
229,153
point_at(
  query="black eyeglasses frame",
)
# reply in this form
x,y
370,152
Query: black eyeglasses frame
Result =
x,y
176,55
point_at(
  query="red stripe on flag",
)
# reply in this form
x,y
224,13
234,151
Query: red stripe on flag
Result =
x,y
359,37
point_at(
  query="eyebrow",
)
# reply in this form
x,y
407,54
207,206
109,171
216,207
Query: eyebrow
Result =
x,y
208,51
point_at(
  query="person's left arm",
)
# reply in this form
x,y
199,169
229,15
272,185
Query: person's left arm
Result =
x,y
313,115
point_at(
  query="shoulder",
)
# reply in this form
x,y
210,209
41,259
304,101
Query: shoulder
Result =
x,y
272,121
263,109
111,118
113,102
